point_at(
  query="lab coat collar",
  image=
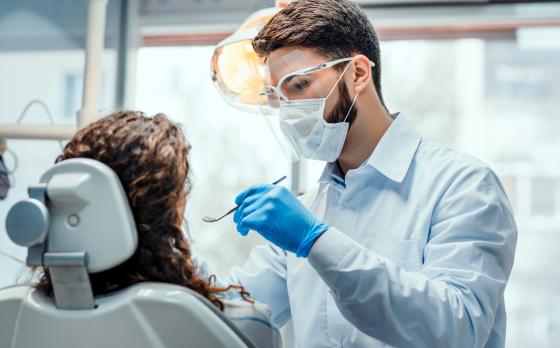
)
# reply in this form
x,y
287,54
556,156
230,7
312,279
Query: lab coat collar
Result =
x,y
396,149
391,157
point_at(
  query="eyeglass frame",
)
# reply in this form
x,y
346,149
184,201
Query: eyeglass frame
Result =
x,y
321,66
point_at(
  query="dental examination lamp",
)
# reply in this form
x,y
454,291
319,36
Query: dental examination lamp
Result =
x,y
237,71
239,75
77,222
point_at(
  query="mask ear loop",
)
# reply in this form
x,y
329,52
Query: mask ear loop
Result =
x,y
337,81
356,97
351,106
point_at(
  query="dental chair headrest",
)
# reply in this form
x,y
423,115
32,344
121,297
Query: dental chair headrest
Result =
x,y
87,211
76,221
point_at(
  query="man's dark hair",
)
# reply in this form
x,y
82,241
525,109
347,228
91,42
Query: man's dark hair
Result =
x,y
333,28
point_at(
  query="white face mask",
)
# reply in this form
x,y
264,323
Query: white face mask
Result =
x,y
310,135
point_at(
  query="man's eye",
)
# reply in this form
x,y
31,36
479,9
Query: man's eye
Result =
x,y
301,84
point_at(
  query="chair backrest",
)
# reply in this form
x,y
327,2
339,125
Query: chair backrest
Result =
x,y
78,221
143,315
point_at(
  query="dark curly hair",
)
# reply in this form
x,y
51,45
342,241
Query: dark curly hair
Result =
x,y
149,155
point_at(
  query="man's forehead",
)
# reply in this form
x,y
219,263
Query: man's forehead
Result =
x,y
286,60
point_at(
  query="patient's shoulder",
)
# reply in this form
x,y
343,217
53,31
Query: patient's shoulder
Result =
x,y
238,307
254,320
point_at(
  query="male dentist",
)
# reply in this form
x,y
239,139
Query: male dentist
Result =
x,y
405,243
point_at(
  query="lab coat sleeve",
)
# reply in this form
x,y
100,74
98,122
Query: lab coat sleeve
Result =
x,y
263,275
452,300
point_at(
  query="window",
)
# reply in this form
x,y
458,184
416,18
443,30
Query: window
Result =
x,y
42,58
231,150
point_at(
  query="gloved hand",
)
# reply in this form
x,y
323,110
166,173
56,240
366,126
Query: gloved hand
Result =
x,y
277,215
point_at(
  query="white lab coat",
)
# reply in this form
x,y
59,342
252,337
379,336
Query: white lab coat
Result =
x,y
419,250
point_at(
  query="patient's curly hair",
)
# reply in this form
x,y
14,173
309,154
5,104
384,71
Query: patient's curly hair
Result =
x,y
149,155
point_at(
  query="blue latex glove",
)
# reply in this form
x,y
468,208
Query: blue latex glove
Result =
x,y
277,215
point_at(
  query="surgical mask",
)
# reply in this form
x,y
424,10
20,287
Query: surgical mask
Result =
x,y
311,136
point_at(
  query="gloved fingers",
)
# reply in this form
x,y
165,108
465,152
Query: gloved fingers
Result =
x,y
281,196
242,230
259,205
247,202
258,208
251,191
253,221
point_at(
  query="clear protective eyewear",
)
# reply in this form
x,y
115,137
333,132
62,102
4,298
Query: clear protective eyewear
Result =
x,y
267,103
297,85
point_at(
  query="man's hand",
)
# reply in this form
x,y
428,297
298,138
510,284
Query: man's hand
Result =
x,y
277,215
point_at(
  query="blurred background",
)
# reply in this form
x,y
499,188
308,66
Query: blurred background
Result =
x,y
481,77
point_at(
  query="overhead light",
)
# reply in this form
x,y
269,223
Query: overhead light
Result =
x,y
237,71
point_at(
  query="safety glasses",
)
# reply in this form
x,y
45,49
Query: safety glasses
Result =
x,y
300,84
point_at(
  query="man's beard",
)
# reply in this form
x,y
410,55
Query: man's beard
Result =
x,y
341,108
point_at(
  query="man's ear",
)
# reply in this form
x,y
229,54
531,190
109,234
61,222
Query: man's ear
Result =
x,y
362,73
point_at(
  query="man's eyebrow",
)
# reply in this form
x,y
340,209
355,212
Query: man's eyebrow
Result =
x,y
289,78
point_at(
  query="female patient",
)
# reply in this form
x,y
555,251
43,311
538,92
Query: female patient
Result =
x,y
149,155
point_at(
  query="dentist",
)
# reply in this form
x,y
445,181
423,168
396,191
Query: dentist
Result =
x,y
404,243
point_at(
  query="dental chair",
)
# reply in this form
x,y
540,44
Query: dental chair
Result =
x,y
77,221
